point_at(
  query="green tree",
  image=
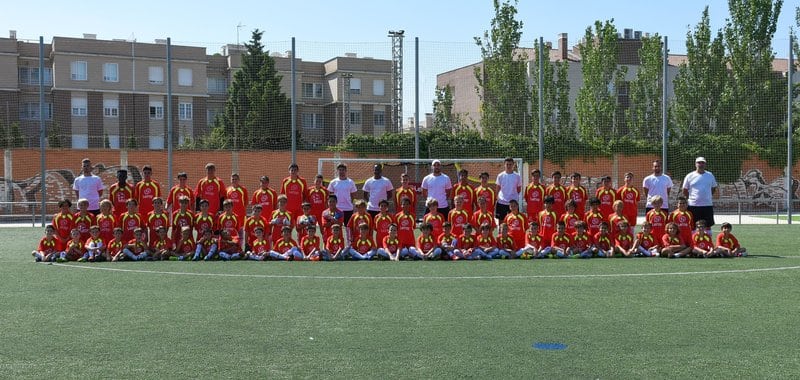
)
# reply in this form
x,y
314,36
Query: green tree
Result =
x,y
701,83
443,116
757,94
644,111
599,121
558,121
54,139
502,78
257,114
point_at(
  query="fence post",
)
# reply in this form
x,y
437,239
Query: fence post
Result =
x,y
789,132
8,174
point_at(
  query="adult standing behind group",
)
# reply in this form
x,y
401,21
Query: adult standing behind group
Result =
x,y
509,185
376,189
657,183
699,187
343,187
437,185
88,186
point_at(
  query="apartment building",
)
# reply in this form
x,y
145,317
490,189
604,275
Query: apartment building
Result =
x,y
113,93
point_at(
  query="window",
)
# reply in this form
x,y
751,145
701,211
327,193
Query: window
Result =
x,y
355,86
312,90
77,70
184,77
156,142
377,87
185,111
30,75
79,107
111,108
156,110
80,141
113,141
156,74
30,111
379,118
217,85
110,72
355,117
312,120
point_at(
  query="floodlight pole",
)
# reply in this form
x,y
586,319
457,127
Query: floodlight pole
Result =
x,y
169,113
664,130
42,131
789,133
541,105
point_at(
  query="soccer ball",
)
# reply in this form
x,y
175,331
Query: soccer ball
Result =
x,y
525,256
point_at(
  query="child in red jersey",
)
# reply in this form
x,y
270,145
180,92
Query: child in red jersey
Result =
x,y
106,221
305,220
617,217
559,194
390,245
448,242
137,249
406,190
157,218
182,217
593,217
120,192
317,197
361,216
131,220
210,188
603,242
182,189
294,188
466,243
673,244
646,244
702,245
486,191
94,247
406,224
465,190
578,194
228,221
427,248
657,217
49,246
560,242
251,223
433,217
332,215
334,245
683,219
229,248
237,194
161,245
280,218
64,221
485,244
382,221
203,220
629,196
547,221
581,241
146,190
727,244
607,196
116,245
570,218
185,245
364,247
310,244
286,248
458,217
534,195
73,250
265,196
83,219
206,247
259,247
506,246
483,215
533,242
623,242
516,222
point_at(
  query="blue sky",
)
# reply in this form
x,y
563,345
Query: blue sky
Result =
x,y
325,29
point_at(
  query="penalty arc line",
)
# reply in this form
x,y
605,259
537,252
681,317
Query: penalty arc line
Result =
x,y
516,277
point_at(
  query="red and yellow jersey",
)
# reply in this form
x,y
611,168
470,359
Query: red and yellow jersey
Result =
x,y
334,244
559,194
238,195
336,217
156,220
425,243
260,246
98,242
250,227
119,198
212,190
406,224
685,223
458,218
602,241
729,241
283,218
144,192
175,194
437,221
630,199
534,199
130,222
607,198
466,241
593,221
74,246
624,240
49,245
658,221
702,241
533,240
137,246
488,193
570,219
266,198
467,192
516,228
668,240
281,245
579,195
82,223
159,244
318,198
485,242
614,221
646,241
230,223
582,242
106,223
364,244
309,243
391,245
181,219
480,218
206,243
228,246
561,241
381,224
446,239
64,223
357,220
115,246
547,226
405,192
186,245
295,191
507,242
202,223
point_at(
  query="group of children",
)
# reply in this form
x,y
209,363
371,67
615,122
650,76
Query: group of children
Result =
x,y
555,225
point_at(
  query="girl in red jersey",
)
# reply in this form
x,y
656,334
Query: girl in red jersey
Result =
x,y
646,244
673,244
390,248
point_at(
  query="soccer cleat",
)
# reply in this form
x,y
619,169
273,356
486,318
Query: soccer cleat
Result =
x,y
81,260
61,260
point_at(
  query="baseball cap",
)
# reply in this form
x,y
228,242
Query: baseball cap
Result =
x,y
436,162
700,159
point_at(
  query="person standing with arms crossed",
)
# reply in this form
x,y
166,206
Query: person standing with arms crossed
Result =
x,y
88,186
376,189
509,184
438,186
699,187
657,183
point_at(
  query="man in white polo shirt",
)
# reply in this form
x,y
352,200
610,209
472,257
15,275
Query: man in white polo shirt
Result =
x,y
376,189
437,185
343,188
509,184
699,187
657,183
89,186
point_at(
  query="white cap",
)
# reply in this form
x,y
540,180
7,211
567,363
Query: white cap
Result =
x,y
436,162
700,159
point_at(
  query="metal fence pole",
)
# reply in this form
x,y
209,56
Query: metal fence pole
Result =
x,y
294,104
789,132
541,105
664,130
169,113
42,130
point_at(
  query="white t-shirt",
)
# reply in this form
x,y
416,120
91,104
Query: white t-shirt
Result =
x,y
377,189
89,188
437,186
699,186
343,189
657,185
510,184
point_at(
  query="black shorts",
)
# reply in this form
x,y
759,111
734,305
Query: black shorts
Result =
x,y
703,213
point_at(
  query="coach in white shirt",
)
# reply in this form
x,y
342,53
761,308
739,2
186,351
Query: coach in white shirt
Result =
x,y
437,185
509,184
699,187
89,186
343,188
376,189
657,183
